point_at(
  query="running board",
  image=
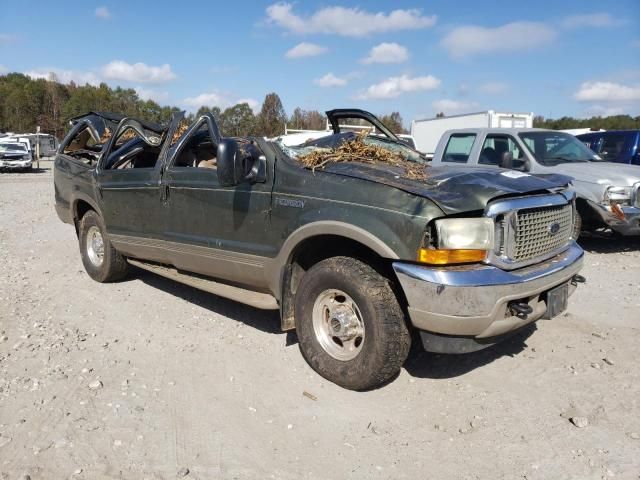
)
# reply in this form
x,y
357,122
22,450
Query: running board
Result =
x,y
263,301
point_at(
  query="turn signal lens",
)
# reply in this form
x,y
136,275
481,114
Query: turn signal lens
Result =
x,y
446,257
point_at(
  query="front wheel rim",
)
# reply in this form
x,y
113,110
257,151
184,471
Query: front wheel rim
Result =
x,y
338,325
95,246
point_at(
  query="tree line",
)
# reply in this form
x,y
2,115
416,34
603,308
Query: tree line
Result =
x,y
27,102
613,122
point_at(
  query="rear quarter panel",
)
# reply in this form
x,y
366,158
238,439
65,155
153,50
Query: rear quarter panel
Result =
x,y
73,181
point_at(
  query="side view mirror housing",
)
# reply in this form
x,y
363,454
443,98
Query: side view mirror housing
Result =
x,y
230,163
236,166
506,160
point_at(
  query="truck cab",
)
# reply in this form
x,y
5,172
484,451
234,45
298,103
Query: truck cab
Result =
x,y
620,146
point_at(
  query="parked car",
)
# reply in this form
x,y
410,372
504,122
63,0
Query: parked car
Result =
x,y
607,194
353,254
14,156
620,146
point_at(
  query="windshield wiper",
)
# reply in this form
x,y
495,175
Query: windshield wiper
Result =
x,y
566,159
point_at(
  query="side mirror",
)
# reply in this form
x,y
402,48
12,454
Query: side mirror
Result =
x,y
506,160
230,163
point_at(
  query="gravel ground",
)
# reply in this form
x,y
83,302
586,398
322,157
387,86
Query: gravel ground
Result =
x,y
151,379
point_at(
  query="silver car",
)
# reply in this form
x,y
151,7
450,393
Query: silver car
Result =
x,y
15,156
607,193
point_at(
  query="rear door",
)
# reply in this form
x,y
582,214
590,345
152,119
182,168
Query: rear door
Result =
x,y
128,183
217,231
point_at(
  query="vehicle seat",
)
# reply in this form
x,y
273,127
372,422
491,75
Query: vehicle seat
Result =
x,y
187,159
488,156
210,163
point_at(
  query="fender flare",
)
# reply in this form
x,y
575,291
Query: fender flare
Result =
x,y
274,268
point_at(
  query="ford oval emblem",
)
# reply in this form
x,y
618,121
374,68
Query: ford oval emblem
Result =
x,y
554,228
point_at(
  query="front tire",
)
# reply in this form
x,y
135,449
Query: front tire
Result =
x,y
351,328
101,261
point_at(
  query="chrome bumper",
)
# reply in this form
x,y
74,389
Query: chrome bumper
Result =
x,y
472,300
629,226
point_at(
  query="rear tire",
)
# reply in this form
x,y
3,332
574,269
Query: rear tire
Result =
x,y
101,261
351,328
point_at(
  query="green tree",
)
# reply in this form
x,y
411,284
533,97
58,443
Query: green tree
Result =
x,y
272,117
393,122
237,121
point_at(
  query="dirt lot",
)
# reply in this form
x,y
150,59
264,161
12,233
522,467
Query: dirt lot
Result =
x,y
150,379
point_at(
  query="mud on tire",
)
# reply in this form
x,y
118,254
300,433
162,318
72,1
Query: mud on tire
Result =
x,y
101,261
352,297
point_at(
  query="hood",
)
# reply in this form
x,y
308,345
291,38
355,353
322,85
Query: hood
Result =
x,y
603,173
457,189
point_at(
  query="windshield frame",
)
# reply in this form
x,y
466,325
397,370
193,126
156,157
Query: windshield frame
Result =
x,y
551,160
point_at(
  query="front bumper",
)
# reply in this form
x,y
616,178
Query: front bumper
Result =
x,y
473,300
15,164
630,225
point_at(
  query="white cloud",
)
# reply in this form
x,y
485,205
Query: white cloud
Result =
x,y
387,53
211,99
517,36
591,20
604,111
3,70
493,88
393,87
607,92
218,99
453,107
348,22
137,72
305,49
254,104
150,94
64,76
330,80
103,13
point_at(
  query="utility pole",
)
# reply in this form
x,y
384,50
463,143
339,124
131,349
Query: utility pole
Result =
x,y
38,147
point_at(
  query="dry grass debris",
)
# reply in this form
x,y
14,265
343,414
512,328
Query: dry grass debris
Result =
x,y
359,151
182,127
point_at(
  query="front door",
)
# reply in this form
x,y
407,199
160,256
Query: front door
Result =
x,y
216,231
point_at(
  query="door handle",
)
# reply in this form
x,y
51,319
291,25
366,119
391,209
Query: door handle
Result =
x,y
165,193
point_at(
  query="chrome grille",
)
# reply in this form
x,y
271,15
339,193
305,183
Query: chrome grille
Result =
x,y
530,229
540,231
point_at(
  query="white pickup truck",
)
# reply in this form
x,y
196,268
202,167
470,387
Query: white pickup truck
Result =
x,y
607,193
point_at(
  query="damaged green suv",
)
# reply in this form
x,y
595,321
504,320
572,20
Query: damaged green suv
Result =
x,y
354,238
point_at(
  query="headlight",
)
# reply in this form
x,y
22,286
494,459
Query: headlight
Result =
x,y
26,157
618,196
460,240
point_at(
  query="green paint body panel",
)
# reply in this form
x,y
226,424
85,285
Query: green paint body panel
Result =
x,y
181,216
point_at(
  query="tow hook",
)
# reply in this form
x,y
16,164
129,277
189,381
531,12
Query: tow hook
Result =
x,y
576,279
520,309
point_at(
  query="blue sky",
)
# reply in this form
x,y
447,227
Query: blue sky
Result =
x,y
552,58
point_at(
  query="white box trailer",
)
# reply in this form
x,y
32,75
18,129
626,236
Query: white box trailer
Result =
x,y
427,132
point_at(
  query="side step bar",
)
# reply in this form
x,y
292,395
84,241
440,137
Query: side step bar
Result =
x,y
263,301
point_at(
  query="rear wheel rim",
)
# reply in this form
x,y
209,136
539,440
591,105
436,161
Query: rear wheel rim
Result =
x,y
338,325
95,246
